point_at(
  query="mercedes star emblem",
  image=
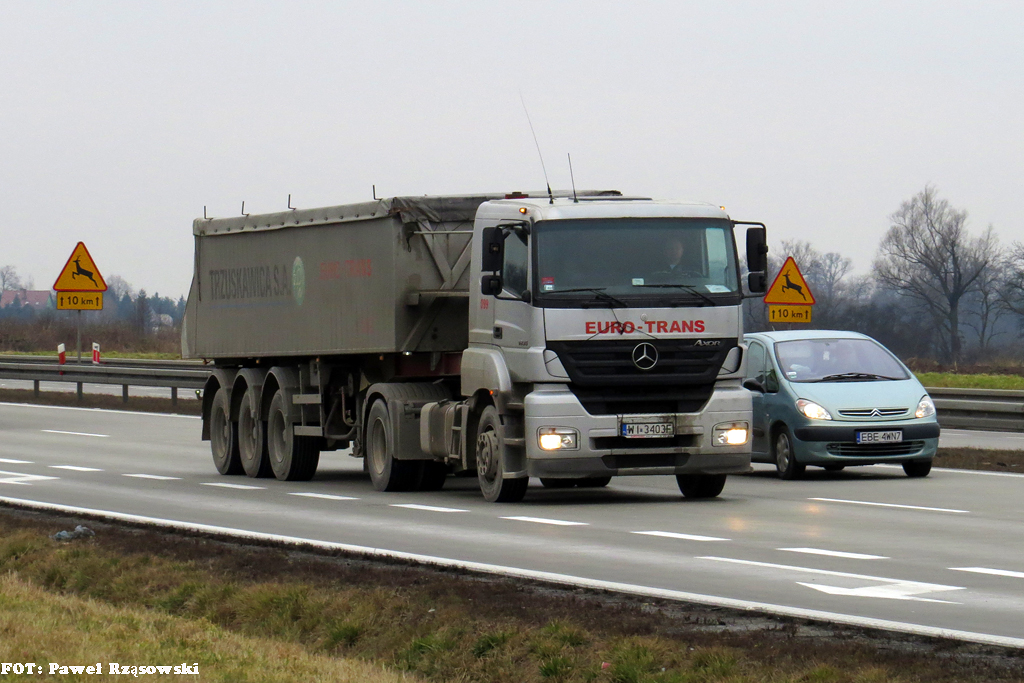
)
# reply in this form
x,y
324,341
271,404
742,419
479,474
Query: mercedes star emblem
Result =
x,y
645,356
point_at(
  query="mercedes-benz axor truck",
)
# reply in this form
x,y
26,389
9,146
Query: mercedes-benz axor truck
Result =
x,y
566,337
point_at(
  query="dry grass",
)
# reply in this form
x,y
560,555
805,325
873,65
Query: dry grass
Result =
x,y
437,625
980,459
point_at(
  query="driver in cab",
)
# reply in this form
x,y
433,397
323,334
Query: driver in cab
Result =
x,y
674,267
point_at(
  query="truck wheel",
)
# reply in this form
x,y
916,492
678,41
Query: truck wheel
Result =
x,y
593,482
224,435
252,440
700,485
785,458
433,477
917,468
558,483
292,458
490,462
386,472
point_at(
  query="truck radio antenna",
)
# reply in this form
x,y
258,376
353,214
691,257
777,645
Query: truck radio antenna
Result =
x,y
575,199
551,197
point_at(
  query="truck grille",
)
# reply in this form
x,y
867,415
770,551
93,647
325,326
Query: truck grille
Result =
x,y
607,382
873,449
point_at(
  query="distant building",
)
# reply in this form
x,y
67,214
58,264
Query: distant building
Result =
x,y
39,300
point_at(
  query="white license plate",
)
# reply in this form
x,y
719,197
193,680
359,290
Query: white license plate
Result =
x,y
895,436
648,430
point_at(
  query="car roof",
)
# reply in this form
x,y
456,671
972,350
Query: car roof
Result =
x,y
793,335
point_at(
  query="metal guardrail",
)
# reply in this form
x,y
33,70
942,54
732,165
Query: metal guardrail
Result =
x,y
984,409
126,372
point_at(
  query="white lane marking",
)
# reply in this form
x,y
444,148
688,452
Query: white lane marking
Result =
x,y
245,487
993,572
74,468
427,508
158,477
835,553
324,496
16,462
58,431
541,520
896,589
681,537
889,505
102,410
551,577
22,479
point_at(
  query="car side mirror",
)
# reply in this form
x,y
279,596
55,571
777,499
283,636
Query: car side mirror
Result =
x,y
771,382
753,385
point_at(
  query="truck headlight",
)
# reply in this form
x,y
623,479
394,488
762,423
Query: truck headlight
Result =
x,y
730,434
812,410
558,439
926,408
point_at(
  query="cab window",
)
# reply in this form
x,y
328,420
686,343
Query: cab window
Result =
x,y
513,269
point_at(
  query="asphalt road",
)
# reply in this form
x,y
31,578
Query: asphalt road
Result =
x,y
866,546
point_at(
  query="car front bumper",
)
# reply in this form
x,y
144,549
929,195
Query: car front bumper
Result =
x,y
830,444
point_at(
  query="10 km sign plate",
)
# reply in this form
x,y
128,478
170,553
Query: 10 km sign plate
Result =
x,y
79,301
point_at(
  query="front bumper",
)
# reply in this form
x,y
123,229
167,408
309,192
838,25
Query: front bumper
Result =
x,y
837,443
603,452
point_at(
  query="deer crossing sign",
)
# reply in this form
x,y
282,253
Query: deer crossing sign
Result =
x,y
80,285
789,297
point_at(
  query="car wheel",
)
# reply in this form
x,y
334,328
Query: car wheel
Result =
x,y
785,458
917,468
700,485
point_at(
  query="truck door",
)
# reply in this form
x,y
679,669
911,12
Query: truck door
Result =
x,y
512,315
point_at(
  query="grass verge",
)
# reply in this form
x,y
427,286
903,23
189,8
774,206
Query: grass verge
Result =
x,y
141,594
980,459
979,381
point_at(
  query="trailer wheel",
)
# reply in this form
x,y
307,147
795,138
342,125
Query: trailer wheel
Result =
x,y
387,472
224,435
252,440
292,458
490,461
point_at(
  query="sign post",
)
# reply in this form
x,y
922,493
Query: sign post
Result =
x,y
789,298
80,287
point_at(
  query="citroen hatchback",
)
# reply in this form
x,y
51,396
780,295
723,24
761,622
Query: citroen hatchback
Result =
x,y
835,399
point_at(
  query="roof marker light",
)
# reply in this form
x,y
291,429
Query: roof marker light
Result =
x,y
522,209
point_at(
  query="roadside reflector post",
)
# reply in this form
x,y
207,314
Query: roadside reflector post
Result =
x,y
174,396
124,393
95,353
79,392
61,356
35,388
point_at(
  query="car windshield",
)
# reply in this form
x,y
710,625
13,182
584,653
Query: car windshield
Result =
x,y
837,360
688,258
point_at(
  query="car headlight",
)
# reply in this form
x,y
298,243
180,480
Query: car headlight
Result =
x,y
730,434
812,410
926,408
557,439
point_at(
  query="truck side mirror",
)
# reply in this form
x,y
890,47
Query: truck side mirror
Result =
x,y
757,283
491,285
757,251
494,250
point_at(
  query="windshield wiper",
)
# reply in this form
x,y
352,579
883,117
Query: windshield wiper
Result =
x,y
599,294
852,376
689,288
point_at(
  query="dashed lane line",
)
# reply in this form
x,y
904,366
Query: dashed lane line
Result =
x,y
681,537
992,572
244,487
59,431
835,553
157,477
10,461
75,468
322,496
541,520
427,508
22,479
890,505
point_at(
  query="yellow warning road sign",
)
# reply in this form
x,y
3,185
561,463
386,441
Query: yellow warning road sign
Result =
x,y
789,314
80,273
79,301
789,287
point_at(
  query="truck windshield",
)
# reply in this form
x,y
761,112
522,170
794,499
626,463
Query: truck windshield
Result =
x,y
837,360
689,260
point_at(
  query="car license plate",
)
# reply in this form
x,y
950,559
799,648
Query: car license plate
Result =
x,y
894,436
648,430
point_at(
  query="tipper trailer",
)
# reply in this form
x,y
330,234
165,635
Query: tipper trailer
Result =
x,y
567,337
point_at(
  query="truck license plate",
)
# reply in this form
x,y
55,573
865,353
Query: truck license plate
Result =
x,y
895,436
648,430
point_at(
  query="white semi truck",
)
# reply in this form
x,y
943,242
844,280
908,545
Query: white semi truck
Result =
x,y
566,337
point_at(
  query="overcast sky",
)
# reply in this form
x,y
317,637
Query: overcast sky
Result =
x,y
119,121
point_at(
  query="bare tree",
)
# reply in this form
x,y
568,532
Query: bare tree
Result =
x,y
985,306
9,278
117,287
928,256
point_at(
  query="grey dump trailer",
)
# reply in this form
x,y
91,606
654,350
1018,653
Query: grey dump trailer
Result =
x,y
567,337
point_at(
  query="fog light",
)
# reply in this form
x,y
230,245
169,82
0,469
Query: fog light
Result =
x,y
730,434
557,439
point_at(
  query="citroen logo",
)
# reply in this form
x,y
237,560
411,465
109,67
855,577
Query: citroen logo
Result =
x,y
645,356
876,413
